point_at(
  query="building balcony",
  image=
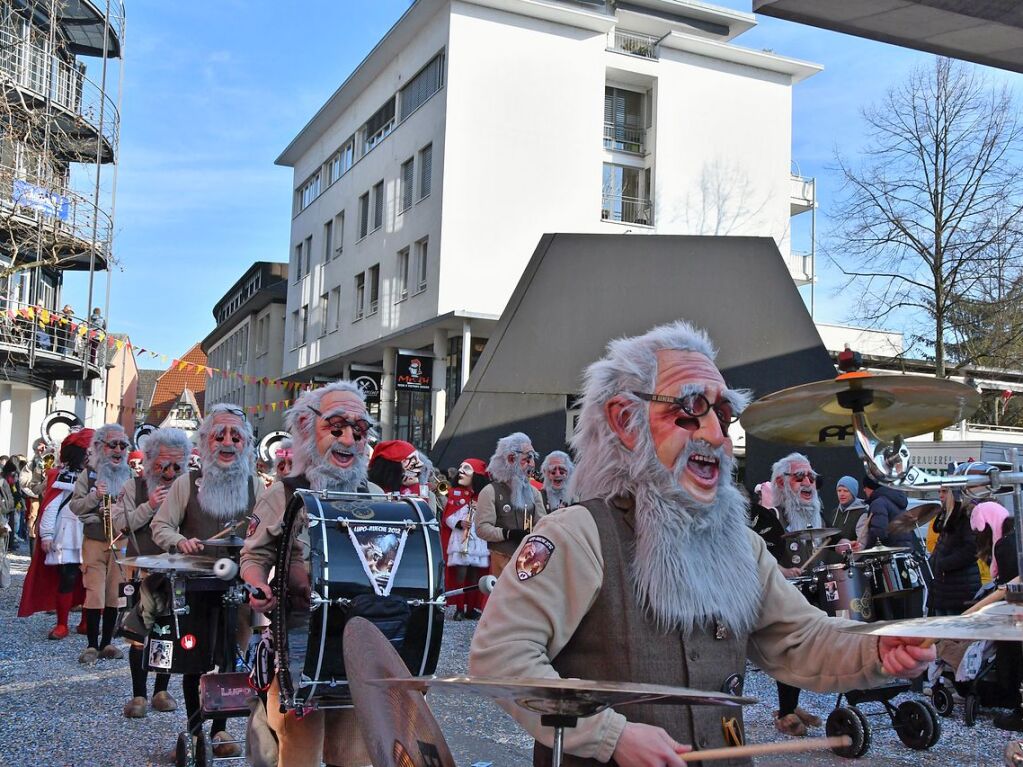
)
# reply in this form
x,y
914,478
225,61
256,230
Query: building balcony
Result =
x,y
60,226
802,194
53,346
801,267
622,138
627,210
632,43
30,75
85,23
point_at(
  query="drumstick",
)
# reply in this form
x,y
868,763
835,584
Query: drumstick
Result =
x,y
761,749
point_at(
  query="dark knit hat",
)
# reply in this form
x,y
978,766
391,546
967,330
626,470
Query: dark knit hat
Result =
x,y
870,482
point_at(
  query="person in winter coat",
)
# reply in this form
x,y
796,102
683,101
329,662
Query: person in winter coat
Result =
x,y
954,560
851,517
885,504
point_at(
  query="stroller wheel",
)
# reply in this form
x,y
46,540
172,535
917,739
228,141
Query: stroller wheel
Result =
x,y
942,699
915,724
183,751
847,721
866,727
970,714
203,750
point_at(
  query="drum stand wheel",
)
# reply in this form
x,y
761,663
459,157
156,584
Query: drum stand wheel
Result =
x,y
193,751
970,705
943,700
847,720
917,724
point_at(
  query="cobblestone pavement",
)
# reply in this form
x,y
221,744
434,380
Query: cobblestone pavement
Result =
x,y
54,712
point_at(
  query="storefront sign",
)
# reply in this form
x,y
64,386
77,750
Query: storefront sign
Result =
x,y
368,382
413,372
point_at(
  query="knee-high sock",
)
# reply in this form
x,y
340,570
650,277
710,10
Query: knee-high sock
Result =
x,y
190,689
160,685
63,608
138,673
92,626
109,619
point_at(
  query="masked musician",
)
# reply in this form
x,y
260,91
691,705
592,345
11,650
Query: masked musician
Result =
x,y
509,506
284,455
96,490
330,428
163,461
135,460
467,554
656,577
556,470
395,466
202,505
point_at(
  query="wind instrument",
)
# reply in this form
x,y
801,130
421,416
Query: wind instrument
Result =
x,y
106,515
470,520
441,485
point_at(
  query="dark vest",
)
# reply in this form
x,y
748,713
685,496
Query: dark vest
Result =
x,y
509,517
198,524
618,642
143,536
845,519
94,530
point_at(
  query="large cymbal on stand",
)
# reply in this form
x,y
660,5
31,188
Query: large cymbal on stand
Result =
x,y
818,414
1001,622
919,513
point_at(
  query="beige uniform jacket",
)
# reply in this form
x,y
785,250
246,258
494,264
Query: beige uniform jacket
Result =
x,y
126,514
84,503
486,514
168,519
528,622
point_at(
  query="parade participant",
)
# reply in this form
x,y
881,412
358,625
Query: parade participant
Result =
x,y
96,490
264,473
629,585
163,461
284,455
395,467
509,506
763,519
557,470
54,579
330,427
799,507
851,518
885,505
203,504
135,459
467,554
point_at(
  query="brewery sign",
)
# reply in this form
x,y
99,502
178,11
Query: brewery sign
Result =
x,y
412,372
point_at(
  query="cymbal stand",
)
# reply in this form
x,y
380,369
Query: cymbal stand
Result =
x,y
559,722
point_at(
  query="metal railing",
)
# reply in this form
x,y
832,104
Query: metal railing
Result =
x,y
800,265
56,336
628,210
622,138
33,68
633,43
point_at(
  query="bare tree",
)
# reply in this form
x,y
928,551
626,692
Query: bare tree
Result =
x,y
931,213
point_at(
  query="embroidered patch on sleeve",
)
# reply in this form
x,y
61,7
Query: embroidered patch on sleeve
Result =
x,y
533,557
252,526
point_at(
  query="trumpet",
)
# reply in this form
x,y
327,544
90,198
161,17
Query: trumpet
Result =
x,y
48,461
470,520
441,486
106,514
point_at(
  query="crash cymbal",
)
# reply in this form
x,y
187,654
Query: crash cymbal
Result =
x,y
812,533
565,697
878,551
396,725
1000,625
230,542
917,515
810,415
166,563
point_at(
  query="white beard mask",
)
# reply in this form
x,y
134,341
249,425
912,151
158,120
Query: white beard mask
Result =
x,y
224,490
324,475
800,514
114,476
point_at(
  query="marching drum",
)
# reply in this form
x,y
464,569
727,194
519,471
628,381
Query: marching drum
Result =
x,y
897,574
844,591
806,585
183,639
371,556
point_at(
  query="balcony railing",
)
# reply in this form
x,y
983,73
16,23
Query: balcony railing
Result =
x,y
633,43
58,338
33,68
628,210
622,138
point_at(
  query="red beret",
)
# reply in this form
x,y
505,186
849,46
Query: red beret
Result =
x,y
478,466
81,438
392,450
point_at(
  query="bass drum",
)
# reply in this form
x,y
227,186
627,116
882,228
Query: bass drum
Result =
x,y
370,556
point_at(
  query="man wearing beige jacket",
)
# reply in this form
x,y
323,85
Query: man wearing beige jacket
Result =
x,y
658,579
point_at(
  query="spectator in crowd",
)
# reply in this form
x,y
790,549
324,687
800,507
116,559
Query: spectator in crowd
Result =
x,y
96,325
954,559
66,331
12,502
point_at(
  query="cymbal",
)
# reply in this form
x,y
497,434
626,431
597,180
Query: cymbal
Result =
x,y
166,563
229,541
878,551
917,515
810,415
812,533
565,697
1004,624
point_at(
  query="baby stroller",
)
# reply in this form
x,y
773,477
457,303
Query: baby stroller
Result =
x,y
967,669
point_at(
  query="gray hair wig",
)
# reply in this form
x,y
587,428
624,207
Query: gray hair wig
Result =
x,y
246,453
782,466
102,434
300,420
560,455
172,439
499,468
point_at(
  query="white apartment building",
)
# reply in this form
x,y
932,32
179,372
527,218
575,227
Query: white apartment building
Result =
x,y
423,185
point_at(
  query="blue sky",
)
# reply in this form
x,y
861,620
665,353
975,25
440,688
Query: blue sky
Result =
x,y
213,91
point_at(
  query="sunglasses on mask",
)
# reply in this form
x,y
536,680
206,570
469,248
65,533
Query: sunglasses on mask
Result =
x,y
337,425
116,445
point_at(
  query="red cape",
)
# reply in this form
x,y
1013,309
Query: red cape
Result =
x,y
39,593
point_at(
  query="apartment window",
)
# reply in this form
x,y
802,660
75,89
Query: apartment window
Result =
x,y
408,181
378,205
342,160
373,277
324,313
262,335
624,120
363,215
625,195
298,262
309,191
335,302
339,233
328,240
360,295
428,81
299,326
425,170
401,289
308,254
377,127
421,265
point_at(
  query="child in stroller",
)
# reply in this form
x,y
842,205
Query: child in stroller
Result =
x,y
967,669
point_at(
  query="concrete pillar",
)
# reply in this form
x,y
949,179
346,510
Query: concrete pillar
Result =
x,y
438,394
37,411
6,419
387,394
466,351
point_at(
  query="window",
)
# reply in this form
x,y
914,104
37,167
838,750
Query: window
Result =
x,y
328,240
378,205
324,313
428,81
408,180
421,264
342,160
624,120
374,288
363,215
377,127
308,254
262,335
309,192
625,195
425,170
360,295
339,233
298,263
401,289
299,325
335,303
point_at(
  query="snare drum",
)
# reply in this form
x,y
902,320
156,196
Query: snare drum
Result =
x,y
843,591
806,585
371,556
183,639
896,574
